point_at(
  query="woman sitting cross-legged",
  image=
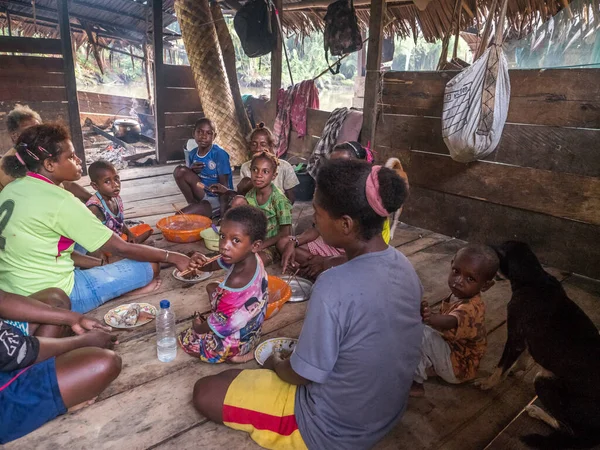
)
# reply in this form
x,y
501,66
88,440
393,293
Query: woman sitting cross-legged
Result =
x,y
41,376
40,222
347,382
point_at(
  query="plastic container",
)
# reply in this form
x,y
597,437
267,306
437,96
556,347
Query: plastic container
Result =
x,y
279,293
183,228
211,238
306,189
166,341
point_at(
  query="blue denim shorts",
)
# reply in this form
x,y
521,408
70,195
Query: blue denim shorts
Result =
x,y
29,397
96,286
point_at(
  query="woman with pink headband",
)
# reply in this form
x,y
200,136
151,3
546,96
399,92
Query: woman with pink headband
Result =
x,y
340,375
308,251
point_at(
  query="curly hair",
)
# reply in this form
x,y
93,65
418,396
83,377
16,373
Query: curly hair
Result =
x,y
341,190
19,114
34,146
355,149
205,120
252,219
267,156
266,132
99,166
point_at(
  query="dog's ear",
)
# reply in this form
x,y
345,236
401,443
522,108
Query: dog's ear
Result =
x,y
500,251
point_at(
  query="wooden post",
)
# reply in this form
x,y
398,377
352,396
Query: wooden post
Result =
x,y
159,80
70,82
372,79
276,65
8,21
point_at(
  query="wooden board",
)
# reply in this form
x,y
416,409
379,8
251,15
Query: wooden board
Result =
x,y
558,149
557,194
315,121
179,76
557,97
23,78
25,93
558,242
31,63
182,100
92,102
30,45
176,134
182,119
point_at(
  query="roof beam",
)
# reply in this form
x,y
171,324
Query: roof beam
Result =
x,y
74,27
362,4
92,20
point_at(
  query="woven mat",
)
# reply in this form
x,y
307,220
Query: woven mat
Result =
x,y
204,53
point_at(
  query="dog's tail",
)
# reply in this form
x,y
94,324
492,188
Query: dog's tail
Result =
x,y
561,440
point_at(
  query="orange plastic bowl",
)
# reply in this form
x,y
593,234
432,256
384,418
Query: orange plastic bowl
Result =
x,y
279,293
183,227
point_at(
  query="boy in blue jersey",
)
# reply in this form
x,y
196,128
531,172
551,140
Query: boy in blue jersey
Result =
x,y
205,166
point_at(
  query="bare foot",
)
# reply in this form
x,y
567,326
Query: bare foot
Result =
x,y
417,390
240,359
153,286
83,405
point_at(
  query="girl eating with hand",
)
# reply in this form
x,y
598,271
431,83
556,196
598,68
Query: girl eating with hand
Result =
x,y
40,222
239,303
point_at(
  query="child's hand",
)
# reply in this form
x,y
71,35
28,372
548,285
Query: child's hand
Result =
x,y
85,324
100,339
425,312
288,257
218,189
197,260
197,167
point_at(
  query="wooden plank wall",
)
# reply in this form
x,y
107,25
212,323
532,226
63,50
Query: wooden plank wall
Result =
x,y
35,81
541,185
182,109
100,107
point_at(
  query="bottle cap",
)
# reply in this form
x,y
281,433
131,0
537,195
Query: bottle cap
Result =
x,y
164,304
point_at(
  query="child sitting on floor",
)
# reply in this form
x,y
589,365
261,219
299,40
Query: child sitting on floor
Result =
x,y
239,303
276,206
455,339
107,206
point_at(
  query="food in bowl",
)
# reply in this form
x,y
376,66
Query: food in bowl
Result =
x,y
183,227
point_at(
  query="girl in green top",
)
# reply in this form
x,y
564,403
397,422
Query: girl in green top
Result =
x,y
40,222
276,206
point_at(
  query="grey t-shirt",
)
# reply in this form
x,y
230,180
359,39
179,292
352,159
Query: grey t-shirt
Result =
x,y
360,346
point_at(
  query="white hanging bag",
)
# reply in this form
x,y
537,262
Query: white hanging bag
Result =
x,y
476,101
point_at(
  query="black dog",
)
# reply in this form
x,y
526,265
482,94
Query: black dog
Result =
x,y
562,339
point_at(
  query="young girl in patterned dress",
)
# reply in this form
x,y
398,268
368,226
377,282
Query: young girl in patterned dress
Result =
x,y
106,203
239,302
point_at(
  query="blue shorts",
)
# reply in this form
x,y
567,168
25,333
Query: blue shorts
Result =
x,y
96,286
29,397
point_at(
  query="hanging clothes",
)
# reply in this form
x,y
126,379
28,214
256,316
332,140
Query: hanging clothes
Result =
x,y
328,140
292,107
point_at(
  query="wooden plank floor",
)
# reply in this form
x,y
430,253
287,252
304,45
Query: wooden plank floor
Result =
x,y
149,406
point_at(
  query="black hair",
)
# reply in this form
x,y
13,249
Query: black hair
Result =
x,y
99,166
19,114
341,188
354,148
488,259
253,220
34,146
251,301
207,121
267,156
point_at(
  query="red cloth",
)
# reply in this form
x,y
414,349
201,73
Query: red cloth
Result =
x,y
292,106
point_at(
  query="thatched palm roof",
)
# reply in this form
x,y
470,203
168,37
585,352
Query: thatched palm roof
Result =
x,y
405,19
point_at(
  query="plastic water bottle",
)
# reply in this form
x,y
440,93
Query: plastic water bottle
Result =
x,y
166,342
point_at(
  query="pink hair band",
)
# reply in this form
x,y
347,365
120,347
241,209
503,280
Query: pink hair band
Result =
x,y
372,191
20,159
